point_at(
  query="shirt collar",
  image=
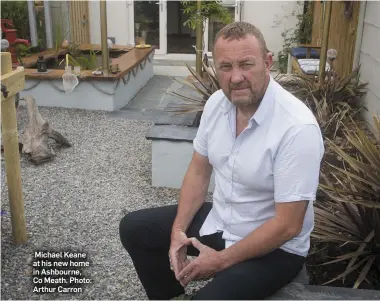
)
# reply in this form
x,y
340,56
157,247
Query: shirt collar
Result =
x,y
265,104
263,108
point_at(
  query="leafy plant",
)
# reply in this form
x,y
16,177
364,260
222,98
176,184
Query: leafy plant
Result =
x,y
300,34
210,10
144,22
351,217
22,50
86,63
333,103
17,12
204,86
60,32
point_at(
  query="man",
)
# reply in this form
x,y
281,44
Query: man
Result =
x,y
265,148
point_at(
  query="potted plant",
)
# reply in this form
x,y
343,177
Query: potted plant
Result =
x,y
142,26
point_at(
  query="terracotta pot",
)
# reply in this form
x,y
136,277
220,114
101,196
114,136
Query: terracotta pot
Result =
x,y
65,44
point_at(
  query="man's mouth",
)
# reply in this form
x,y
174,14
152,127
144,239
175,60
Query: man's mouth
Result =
x,y
239,89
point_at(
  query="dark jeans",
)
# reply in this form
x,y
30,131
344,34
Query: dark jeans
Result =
x,y
145,234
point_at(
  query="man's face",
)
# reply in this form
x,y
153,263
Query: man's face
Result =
x,y
242,69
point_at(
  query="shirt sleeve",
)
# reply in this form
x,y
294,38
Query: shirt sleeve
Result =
x,y
200,140
297,164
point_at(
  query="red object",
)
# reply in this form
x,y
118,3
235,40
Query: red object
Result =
x,y
11,35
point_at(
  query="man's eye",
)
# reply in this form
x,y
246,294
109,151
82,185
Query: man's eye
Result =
x,y
225,67
247,65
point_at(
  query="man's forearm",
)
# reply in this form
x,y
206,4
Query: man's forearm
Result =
x,y
192,196
261,241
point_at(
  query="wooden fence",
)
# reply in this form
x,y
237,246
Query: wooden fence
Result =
x,y
343,31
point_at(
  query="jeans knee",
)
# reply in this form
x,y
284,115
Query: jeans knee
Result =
x,y
128,227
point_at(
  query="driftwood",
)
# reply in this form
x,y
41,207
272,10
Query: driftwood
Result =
x,y
35,138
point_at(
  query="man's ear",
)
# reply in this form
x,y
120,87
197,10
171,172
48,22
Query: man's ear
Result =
x,y
269,61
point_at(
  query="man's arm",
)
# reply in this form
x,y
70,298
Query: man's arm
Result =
x,y
193,191
296,175
271,235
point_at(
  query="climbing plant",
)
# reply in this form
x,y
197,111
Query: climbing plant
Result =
x,y
300,34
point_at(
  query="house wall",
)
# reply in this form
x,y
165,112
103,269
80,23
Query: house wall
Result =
x,y
368,56
272,18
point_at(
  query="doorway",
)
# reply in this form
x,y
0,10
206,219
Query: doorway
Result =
x,y
160,24
149,23
180,38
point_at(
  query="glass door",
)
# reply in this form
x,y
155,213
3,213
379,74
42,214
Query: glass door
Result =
x,y
212,26
147,20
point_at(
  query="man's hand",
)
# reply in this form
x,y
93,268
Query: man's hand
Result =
x,y
178,251
206,265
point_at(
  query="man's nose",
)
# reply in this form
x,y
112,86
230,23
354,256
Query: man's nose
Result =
x,y
236,76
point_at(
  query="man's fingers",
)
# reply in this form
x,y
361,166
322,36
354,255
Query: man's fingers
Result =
x,y
186,270
175,263
189,277
196,243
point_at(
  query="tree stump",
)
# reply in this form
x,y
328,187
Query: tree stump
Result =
x,y
35,138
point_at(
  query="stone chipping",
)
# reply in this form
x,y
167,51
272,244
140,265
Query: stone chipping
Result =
x,y
76,202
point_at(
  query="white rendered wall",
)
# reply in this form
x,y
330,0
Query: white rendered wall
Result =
x,y
170,161
266,14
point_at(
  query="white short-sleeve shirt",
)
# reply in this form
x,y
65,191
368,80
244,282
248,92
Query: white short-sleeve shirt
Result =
x,y
275,159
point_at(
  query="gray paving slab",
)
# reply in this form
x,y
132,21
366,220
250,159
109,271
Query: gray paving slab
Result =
x,y
150,103
298,291
172,133
159,117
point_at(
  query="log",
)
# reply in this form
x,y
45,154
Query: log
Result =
x,y
36,135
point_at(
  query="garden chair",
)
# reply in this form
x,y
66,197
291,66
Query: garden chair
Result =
x,y
305,60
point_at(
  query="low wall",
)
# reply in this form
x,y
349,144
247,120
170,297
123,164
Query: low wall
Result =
x,y
91,94
172,150
106,92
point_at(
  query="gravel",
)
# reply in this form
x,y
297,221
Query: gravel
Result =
x,y
76,202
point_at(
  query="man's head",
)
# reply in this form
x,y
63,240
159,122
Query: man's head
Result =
x,y
242,63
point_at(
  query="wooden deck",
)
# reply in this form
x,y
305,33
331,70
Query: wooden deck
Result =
x,y
126,62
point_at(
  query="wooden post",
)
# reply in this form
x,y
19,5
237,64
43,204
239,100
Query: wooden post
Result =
x,y
198,31
103,37
325,42
13,81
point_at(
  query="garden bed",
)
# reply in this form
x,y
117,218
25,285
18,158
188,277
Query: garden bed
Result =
x,y
94,92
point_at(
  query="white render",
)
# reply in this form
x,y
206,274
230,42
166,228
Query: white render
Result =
x,y
170,161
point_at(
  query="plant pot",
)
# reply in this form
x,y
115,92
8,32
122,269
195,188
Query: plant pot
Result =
x,y
144,34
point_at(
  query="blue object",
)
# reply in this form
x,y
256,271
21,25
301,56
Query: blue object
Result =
x,y
300,53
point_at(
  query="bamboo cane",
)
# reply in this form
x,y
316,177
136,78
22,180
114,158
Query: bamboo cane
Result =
x,y
103,35
12,158
198,31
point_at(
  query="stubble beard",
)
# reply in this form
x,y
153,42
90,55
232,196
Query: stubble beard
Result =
x,y
253,99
